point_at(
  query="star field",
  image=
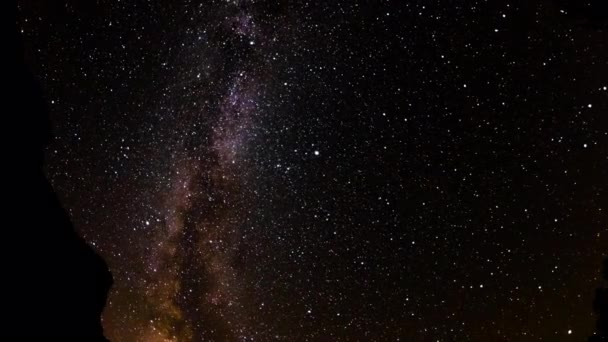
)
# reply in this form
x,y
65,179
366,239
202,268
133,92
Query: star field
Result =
x,y
278,171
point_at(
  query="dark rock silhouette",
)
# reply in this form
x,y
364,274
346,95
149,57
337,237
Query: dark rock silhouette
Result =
x,y
600,306
55,286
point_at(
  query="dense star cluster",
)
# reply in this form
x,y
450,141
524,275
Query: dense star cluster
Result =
x,y
325,171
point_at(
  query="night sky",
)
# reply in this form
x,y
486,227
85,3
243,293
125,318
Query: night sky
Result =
x,y
280,171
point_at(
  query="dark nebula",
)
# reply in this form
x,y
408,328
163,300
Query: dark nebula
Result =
x,y
327,171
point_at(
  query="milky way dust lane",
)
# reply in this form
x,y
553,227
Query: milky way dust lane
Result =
x,y
195,287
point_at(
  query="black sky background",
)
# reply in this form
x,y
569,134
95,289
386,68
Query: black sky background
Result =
x,y
458,191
